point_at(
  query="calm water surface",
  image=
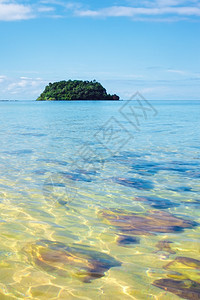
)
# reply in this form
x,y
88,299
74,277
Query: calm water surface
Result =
x,y
99,203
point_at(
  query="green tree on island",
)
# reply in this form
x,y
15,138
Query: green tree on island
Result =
x,y
76,90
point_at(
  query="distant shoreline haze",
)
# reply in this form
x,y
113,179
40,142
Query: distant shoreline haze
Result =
x,y
74,90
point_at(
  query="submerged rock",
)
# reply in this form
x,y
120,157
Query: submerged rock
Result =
x,y
124,240
182,262
78,260
34,134
136,163
194,174
19,152
184,278
145,224
188,268
165,246
53,161
76,176
136,183
187,289
86,172
181,189
156,202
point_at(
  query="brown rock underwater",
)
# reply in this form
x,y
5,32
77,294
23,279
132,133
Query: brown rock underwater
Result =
x,y
187,289
145,224
78,260
183,278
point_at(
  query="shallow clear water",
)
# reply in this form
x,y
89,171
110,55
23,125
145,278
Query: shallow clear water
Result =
x,y
65,168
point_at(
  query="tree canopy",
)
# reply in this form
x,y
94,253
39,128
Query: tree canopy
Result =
x,y
76,90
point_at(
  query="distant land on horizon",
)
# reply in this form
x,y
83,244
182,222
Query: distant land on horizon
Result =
x,y
75,90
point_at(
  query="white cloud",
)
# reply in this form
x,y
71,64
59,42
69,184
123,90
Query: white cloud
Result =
x,y
162,3
10,11
168,3
179,72
124,11
24,83
157,10
13,11
2,78
139,10
45,9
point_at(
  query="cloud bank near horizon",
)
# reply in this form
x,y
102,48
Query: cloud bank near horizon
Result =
x,y
157,10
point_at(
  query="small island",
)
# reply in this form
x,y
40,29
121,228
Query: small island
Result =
x,y
75,90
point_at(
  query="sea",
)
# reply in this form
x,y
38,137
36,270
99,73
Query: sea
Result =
x,y
100,200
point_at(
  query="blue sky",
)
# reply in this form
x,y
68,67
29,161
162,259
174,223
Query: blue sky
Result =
x,y
148,46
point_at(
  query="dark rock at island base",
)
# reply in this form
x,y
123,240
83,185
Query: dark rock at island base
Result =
x,y
186,289
145,224
77,260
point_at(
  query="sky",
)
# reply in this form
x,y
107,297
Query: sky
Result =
x,y
152,47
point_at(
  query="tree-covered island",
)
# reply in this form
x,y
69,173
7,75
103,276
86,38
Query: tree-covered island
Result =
x,y
76,90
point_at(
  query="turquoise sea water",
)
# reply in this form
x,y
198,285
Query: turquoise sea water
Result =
x,y
100,200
